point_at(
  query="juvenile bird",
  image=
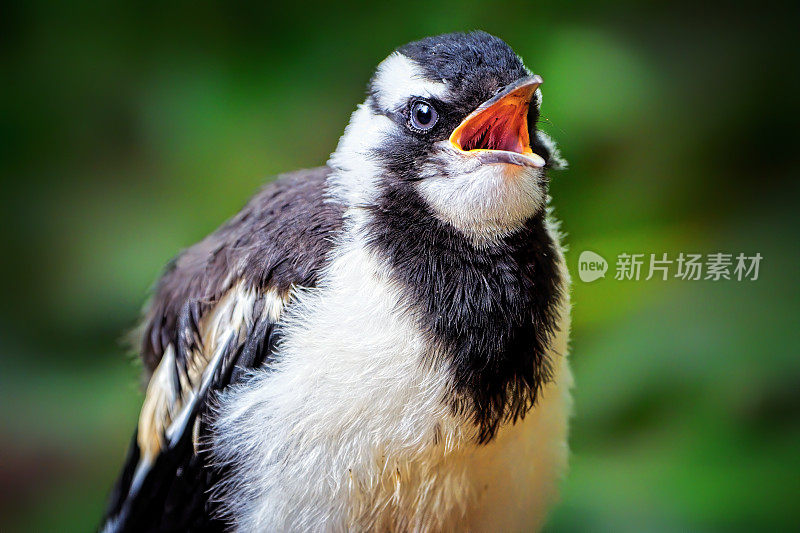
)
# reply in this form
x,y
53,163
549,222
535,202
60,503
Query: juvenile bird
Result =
x,y
376,344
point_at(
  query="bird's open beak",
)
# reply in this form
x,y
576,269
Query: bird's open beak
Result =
x,y
497,131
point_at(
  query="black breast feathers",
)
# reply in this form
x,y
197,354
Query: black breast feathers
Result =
x,y
492,310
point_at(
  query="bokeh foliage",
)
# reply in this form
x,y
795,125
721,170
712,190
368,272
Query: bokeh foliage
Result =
x,y
131,129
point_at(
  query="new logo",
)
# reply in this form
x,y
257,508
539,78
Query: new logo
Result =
x,y
591,266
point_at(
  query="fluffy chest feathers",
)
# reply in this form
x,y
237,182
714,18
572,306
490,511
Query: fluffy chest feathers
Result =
x,y
366,419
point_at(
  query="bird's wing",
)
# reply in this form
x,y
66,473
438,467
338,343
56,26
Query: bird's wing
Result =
x,y
212,319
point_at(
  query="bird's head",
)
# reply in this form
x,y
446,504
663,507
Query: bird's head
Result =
x,y
450,120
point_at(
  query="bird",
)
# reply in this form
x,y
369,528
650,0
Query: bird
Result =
x,y
377,344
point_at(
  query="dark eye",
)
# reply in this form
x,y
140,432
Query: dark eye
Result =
x,y
423,116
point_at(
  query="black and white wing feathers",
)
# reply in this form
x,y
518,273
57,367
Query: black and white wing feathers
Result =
x,y
213,318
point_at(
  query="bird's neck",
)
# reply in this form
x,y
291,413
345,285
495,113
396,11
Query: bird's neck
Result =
x,y
494,308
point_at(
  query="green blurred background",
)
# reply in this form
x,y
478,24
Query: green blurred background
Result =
x,y
130,130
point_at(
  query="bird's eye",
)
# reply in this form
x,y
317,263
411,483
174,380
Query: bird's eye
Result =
x,y
423,116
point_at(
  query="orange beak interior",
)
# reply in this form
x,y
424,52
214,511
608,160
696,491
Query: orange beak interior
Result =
x,y
499,124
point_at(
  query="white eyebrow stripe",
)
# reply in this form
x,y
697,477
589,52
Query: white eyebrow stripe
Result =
x,y
399,78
